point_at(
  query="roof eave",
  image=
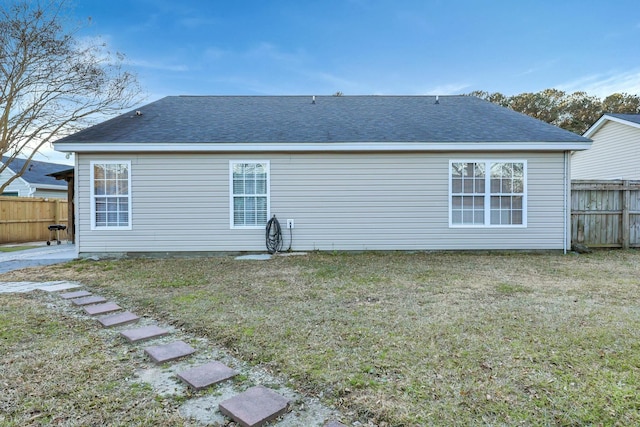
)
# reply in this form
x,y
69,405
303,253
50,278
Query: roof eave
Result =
x,y
115,147
605,118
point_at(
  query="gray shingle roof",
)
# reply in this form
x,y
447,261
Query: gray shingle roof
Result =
x,y
635,118
238,119
37,171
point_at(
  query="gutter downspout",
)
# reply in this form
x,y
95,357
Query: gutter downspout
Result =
x,y
567,183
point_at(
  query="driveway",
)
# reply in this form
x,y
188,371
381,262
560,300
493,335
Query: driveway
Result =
x,y
39,255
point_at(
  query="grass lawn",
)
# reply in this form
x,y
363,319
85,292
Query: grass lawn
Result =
x,y
399,339
15,248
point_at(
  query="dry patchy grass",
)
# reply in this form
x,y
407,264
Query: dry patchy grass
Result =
x,y
412,339
59,370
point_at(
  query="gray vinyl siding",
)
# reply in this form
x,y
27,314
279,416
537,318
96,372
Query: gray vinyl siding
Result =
x,y
51,194
614,154
18,185
347,201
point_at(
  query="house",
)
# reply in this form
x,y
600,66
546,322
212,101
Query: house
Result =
x,y
205,174
615,153
35,181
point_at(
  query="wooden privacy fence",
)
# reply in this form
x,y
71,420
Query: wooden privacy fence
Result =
x,y
25,219
605,214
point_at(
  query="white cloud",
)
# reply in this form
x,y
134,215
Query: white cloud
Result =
x,y
157,65
448,89
605,84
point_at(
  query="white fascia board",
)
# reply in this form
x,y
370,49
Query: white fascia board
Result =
x,y
316,146
49,187
602,120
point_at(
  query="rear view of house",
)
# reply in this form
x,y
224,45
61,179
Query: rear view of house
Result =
x,y
205,174
615,153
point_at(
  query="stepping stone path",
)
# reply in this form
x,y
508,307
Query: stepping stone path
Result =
x,y
255,406
207,375
88,300
144,333
168,352
118,319
252,408
76,294
102,308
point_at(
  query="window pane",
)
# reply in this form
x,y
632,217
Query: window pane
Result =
x,y
456,217
249,187
516,217
261,186
99,187
478,217
457,169
468,185
467,217
479,186
456,202
456,185
517,202
98,172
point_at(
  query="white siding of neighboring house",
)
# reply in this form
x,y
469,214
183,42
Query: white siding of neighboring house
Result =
x,y
615,154
18,185
345,201
51,193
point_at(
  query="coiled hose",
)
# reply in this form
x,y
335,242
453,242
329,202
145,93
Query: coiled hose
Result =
x,y
273,236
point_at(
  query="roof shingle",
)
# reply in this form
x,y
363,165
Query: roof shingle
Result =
x,y
296,119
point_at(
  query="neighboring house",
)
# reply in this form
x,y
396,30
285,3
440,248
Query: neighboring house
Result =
x,y
615,153
204,174
35,182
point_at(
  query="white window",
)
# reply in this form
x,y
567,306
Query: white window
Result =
x,y
249,193
110,195
488,193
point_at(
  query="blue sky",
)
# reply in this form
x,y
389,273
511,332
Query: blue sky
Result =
x,y
363,47
236,47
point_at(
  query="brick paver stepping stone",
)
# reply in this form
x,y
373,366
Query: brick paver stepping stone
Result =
x,y
118,319
144,333
93,299
255,406
76,294
207,375
101,308
168,352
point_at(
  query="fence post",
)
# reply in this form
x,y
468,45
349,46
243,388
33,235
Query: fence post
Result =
x,y
626,195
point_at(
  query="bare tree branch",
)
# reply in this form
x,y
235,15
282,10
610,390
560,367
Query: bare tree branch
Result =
x,y
51,84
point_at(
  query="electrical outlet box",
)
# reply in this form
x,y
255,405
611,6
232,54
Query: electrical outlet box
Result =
x,y
290,223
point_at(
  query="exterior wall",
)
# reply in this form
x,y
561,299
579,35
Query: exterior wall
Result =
x,y
615,154
51,194
346,201
19,185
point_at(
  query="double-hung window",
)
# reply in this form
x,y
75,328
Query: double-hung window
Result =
x,y
249,193
488,193
111,195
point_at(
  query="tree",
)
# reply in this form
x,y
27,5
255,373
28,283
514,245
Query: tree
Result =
x,y
52,84
575,112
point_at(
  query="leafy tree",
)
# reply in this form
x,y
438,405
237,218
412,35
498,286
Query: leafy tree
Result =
x,y
51,83
575,112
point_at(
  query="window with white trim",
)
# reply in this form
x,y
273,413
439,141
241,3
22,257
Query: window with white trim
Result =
x,y
110,195
488,193
249,193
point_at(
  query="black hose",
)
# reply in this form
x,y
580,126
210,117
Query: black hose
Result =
x,y
273,236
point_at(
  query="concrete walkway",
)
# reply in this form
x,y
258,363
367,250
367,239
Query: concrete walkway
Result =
x,y
39,255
